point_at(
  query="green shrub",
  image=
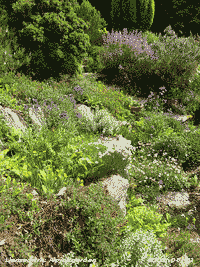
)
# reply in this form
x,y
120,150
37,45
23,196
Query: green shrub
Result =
x,y
157,64
156,126
4,131
94,239
122,56
192,103
96,28
94,62
185,147
177,58
93,18
55,38
192,157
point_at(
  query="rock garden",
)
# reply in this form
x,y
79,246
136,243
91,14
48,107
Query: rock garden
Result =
x,y
103,168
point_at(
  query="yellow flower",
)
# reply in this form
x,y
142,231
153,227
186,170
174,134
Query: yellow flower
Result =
x,y
81,182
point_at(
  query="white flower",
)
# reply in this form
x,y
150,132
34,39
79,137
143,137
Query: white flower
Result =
x,y
185,261
145,250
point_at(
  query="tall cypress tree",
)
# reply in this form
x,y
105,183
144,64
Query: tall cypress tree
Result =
x,y
132,14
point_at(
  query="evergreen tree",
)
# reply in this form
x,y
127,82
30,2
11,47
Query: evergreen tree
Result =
x,y
51,32
132,14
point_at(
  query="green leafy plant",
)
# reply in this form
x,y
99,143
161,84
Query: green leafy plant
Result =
x,y
6,99
145,218
139,134
77,161
156,127
102,98
152,127
178,79
104,31
94,62
9,135
104,223
188,152
130,102
195,82
179,220
11,62
17,193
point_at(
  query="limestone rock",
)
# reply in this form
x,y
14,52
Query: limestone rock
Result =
x,y
117,187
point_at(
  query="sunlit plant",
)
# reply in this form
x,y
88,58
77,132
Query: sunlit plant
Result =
x,y
141,217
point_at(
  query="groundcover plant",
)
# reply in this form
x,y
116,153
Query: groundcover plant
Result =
x,y
60,156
